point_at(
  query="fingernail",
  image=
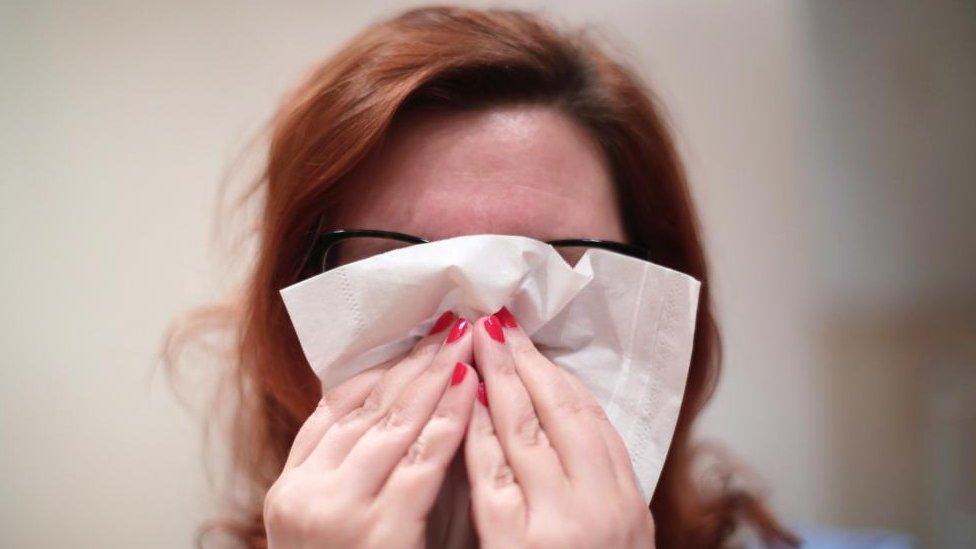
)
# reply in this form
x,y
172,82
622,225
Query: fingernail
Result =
x,y
460,327
442,322
459,371
482,395
506,317
494,329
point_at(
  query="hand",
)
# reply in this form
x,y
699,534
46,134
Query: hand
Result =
x,y
547,469
367,465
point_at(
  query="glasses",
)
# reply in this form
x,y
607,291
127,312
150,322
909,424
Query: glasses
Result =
x,y
334,248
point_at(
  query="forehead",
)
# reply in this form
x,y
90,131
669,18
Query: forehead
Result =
x,y
527,170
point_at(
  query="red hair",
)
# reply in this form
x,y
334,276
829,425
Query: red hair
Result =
x,y
457,58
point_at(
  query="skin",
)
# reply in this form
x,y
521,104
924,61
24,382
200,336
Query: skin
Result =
x,y
525,170
545,466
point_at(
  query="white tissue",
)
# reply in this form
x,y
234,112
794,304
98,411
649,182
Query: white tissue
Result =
x,y
623,326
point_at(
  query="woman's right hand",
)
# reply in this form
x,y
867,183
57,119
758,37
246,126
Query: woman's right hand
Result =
x,y
546,466
367,465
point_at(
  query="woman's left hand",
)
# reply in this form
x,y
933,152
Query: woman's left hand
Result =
x,y
546,467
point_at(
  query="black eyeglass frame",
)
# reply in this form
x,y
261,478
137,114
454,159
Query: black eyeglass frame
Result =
x,y
324,241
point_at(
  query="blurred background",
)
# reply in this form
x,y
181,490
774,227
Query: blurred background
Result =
x,y
832,151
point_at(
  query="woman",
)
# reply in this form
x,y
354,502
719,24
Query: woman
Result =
x,y
442,122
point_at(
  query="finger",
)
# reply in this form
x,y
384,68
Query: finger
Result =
x,y
619,456
345,432
525,443
373,457
569,419
497,500
333,405
416,480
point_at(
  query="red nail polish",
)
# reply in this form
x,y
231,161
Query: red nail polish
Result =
x,y
482,395
506,317
494,328
442,322
460,327
459,372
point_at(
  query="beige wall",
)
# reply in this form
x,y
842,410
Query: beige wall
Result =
x,y
830,151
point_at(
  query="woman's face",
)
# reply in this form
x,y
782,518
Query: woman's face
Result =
x,y
519,170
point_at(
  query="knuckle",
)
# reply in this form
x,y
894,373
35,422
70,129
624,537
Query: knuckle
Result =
x,y
419,451
376,399
435,439
543,439
398,416
324,411
596,411
374,404
503,476
354,415
527,428
505,367
569,405
446,420
351,416
370,409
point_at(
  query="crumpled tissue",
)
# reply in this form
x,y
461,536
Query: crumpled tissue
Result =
x,y
624,326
